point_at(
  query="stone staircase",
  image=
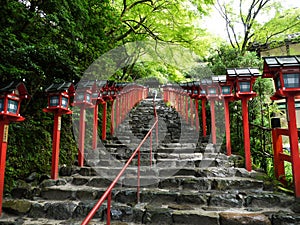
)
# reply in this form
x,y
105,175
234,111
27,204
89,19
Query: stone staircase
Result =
x,y
189,182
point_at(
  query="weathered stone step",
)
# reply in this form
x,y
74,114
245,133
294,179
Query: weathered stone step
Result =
x,y
157,212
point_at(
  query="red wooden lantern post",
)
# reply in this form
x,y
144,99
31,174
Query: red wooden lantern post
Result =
x,y
10,100
244,79
96,100
83,99
285,71
212,90
227,95
113,95
202,96
106,95
59,95
196,95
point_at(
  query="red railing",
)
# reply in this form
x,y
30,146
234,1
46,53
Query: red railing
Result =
x,y
107,193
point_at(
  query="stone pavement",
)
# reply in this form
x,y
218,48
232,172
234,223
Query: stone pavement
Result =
x,y
189,182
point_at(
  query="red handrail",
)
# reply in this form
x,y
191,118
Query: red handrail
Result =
x,y
107,193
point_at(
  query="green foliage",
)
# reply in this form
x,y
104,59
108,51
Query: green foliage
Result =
x,y
227,57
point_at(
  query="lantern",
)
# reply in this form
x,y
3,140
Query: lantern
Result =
x,y
10,99
59,95
84,95
244,79
285,71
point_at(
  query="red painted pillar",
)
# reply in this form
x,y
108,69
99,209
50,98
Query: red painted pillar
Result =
x,y
112,130
117,112
186,109
3,148
104,112
277,149
81,136
197,114
293,136
246,133
213,122
204,127
192,112
55,146
95,126
227,125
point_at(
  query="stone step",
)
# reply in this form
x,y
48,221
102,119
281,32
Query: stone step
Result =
x,y
158,211
161,171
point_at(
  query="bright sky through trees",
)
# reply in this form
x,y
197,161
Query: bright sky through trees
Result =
x,y
215,24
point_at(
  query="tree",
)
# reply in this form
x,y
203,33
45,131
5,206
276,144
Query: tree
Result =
x,y
242,26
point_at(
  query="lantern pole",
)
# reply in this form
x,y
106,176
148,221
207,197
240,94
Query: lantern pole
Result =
x,y
293,136
81,136
104,120
203,109
112,121
197,114
56,146
248,162
95,127
213,121
227,125
4,124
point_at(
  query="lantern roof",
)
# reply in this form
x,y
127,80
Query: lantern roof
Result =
x,y
196,83
85,84
61,87
206,81
274,63
233,73
15,85
279,61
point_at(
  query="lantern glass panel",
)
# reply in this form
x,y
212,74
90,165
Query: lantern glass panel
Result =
x,y
195,92
88,97
54,101
203,92
80,97
277,82
245,86
225,90
64,102
1,104
212,91
291,80
95,95
12,106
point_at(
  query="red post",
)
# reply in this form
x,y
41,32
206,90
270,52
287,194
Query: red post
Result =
x,y
95,126
246,133
213,122
277,149
117,112
112,122
192,112
81,136
3,139
55,146
197,114
104,120
186,109
204,131
293,136
227,125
